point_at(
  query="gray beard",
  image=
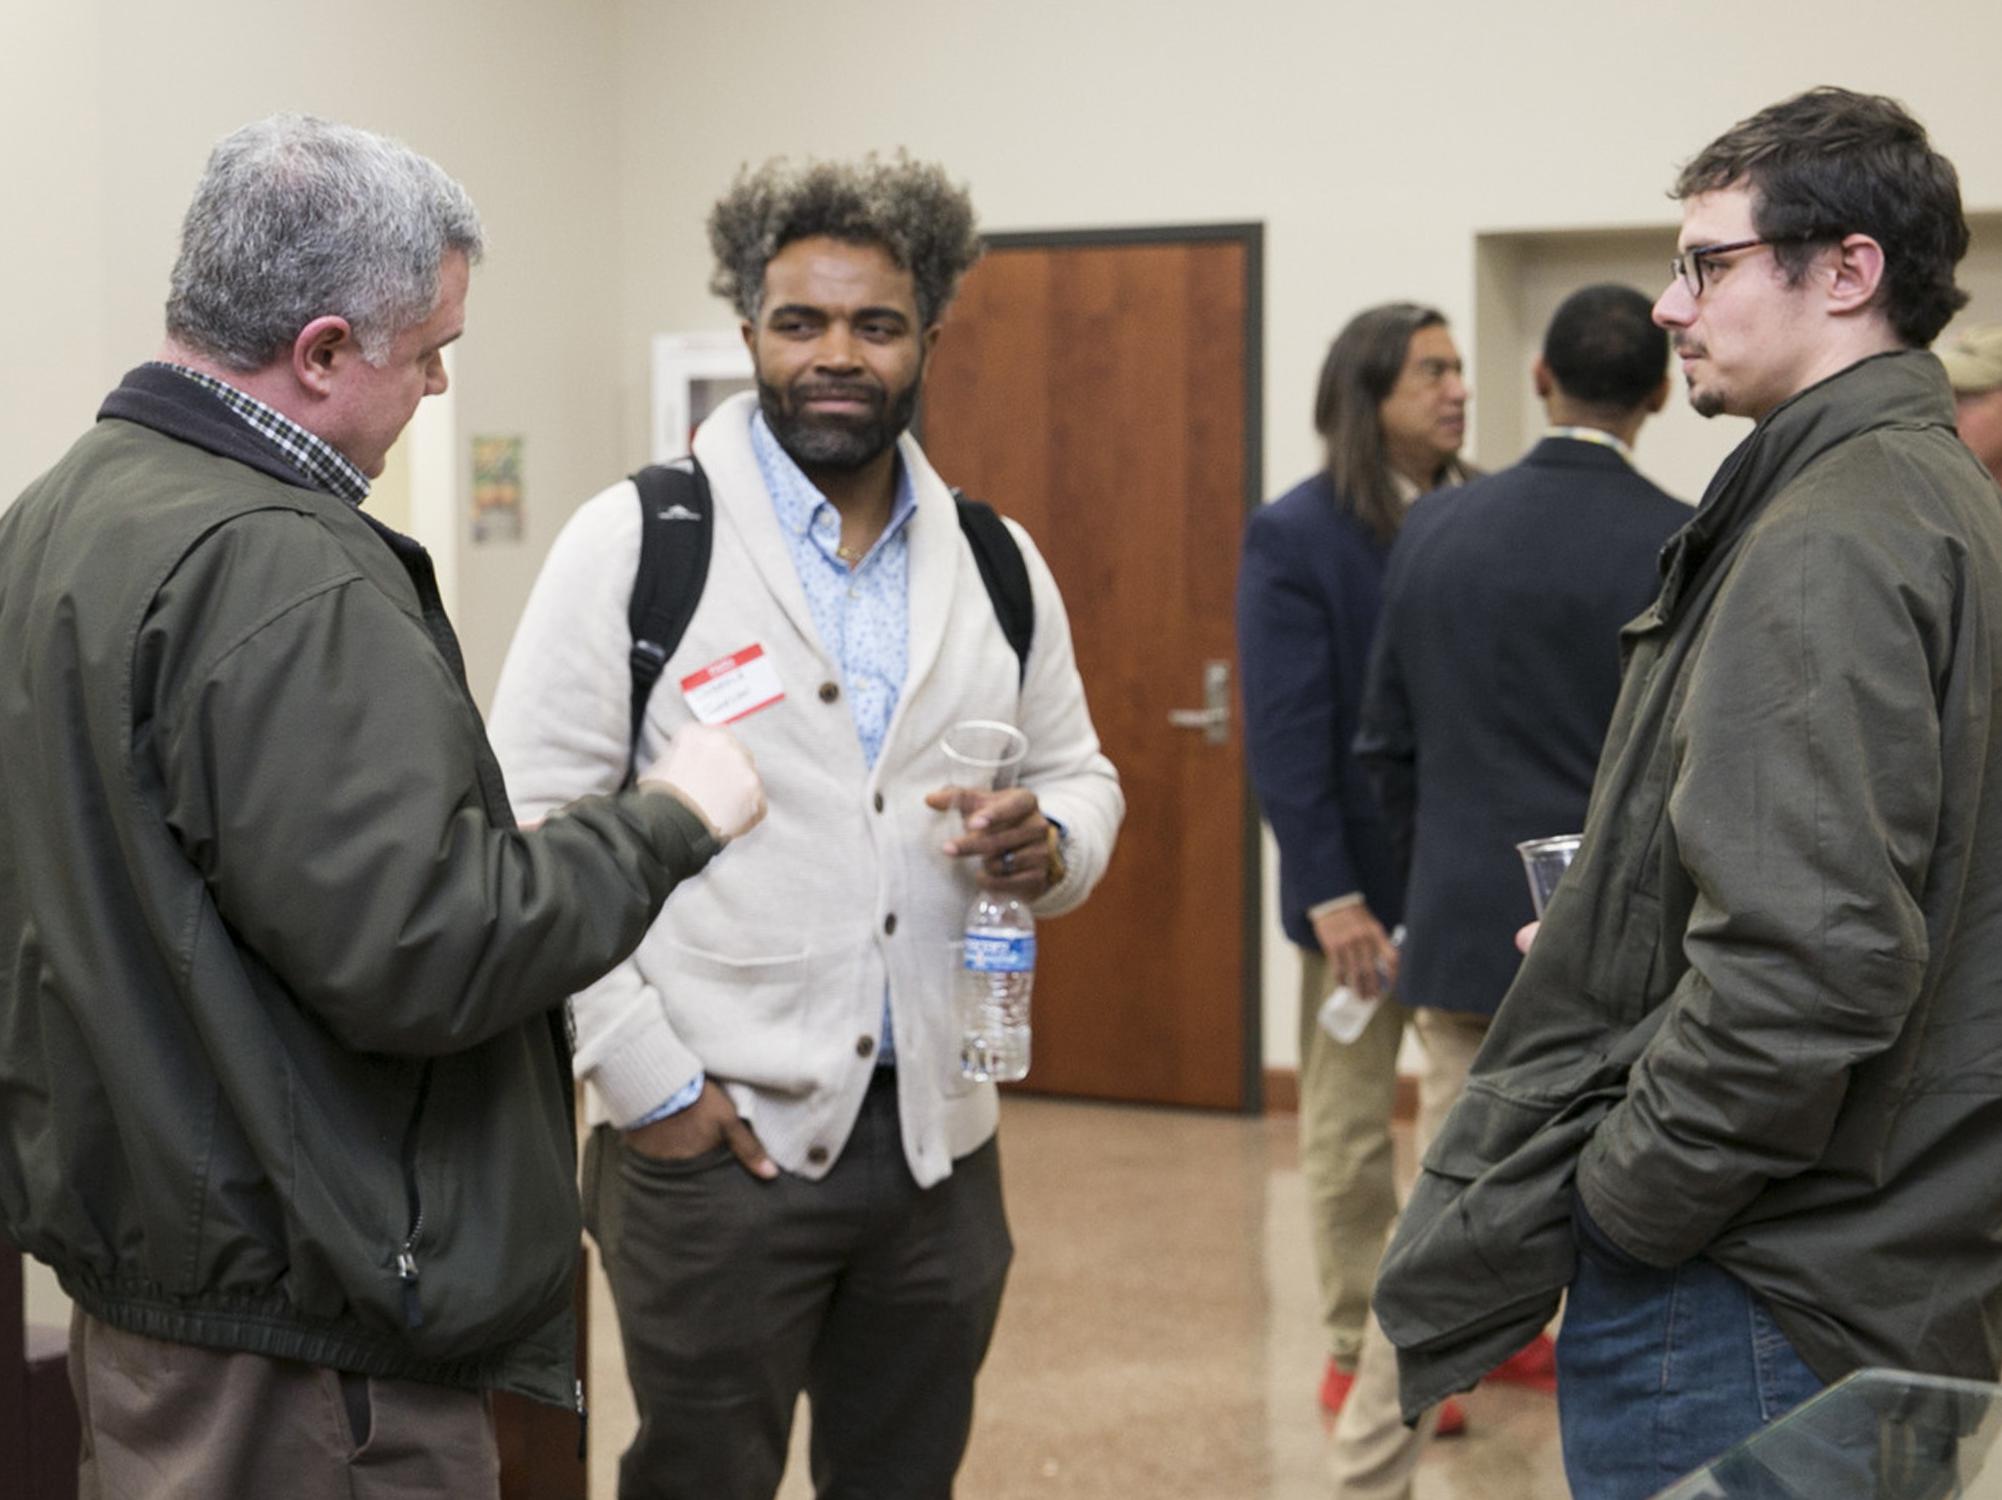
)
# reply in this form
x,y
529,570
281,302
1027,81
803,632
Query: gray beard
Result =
x,y
820,443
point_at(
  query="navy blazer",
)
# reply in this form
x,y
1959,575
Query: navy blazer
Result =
x,y
1308,589
1496,668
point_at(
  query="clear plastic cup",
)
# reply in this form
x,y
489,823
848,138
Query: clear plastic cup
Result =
x,y
1544,861
985,753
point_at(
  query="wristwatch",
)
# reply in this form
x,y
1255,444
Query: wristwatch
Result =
x,y
1057,868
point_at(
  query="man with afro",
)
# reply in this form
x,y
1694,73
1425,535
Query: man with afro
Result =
x,y
792,1186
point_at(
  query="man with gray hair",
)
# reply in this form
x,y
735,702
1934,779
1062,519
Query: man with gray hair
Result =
x,y
791,1182
284,1092
1973,360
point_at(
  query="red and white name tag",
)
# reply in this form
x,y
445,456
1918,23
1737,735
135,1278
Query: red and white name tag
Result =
x,y
730,688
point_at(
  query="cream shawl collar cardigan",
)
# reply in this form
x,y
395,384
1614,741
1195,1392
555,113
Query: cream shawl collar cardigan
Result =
x,y
769,970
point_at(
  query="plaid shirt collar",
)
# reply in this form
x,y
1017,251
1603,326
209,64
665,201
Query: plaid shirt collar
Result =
x,y
311,455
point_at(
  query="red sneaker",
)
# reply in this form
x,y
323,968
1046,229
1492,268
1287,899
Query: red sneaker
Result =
x,y
1452,1418
1336,1383
1533,1365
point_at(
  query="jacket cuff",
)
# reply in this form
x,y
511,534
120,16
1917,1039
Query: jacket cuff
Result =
x,y
1588,1225
667,813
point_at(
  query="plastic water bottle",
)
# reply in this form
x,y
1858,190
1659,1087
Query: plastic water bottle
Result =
x,y
997,970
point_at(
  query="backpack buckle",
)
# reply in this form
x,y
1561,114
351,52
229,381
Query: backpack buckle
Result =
x,y
647,660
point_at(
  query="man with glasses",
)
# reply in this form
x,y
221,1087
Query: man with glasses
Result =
x,y
1744,1098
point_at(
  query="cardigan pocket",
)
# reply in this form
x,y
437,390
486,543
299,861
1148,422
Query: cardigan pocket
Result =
x,y
703,964
744,1017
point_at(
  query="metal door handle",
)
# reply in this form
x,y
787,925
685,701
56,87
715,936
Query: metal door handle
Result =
x,y
1213,718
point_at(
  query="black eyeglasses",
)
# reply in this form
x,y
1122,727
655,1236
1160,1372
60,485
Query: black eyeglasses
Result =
x,y
1688,266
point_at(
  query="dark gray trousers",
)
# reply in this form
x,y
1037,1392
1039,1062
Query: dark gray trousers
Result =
x,y
875,1297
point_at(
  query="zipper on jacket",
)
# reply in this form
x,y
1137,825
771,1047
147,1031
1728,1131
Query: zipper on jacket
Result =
x,y
406,1272
583,1424
406,1254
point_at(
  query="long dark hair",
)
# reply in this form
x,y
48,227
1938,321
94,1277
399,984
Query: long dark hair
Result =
x,y
1360,371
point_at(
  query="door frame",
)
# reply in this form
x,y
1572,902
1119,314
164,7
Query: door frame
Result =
x,y
1251,235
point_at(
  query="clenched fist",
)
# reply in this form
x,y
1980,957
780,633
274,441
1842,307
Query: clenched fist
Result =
x,y
712,773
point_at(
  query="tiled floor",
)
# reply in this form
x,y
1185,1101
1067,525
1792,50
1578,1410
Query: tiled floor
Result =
x,y
1159,1337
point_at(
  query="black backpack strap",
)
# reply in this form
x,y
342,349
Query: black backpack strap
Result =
x,y
677,523
1005,574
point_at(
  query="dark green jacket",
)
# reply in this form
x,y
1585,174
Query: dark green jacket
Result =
x,y
282,1059
1763,1021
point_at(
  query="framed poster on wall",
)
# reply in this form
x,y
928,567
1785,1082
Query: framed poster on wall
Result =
x,y
693,374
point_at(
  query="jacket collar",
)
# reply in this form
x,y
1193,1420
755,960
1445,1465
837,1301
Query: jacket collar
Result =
x,y
180,409
1905,388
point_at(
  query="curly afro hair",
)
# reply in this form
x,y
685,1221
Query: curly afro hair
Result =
x,y
909,208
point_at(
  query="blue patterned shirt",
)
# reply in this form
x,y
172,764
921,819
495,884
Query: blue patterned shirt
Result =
x,y
862,613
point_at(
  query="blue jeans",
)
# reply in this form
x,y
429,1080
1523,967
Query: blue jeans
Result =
x,y
1658,1372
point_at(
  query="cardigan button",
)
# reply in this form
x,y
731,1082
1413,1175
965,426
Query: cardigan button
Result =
x,y
879,802
864,1045
829,692
817,1155
890,925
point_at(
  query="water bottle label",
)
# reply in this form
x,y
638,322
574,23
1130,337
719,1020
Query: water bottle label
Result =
x,y
1001,952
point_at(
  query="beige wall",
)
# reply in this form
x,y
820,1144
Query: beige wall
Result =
x,y
53,252
108,109
1375,144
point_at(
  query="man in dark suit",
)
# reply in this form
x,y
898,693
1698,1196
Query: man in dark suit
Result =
x,y
1391,409
1496,665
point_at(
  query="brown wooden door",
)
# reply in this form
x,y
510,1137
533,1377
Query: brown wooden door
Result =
x,y
1102,391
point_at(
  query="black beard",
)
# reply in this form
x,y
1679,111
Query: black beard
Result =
x,y
837,442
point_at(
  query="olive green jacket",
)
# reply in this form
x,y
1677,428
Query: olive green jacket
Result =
x,y
282,1055
1762,1022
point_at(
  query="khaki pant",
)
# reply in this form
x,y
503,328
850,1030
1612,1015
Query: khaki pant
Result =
x,y
1374,1452
168,1421
1347,1094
